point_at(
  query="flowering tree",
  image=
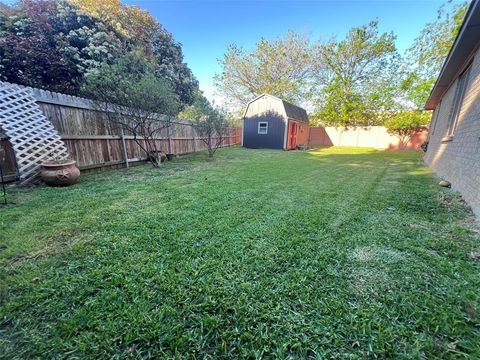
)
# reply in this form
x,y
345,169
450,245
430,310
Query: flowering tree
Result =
x,y
50,44
55,44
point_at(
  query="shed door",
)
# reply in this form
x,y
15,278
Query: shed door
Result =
x,y
292,135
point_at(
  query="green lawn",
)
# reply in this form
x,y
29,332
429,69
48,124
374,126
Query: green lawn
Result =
x,y
333,253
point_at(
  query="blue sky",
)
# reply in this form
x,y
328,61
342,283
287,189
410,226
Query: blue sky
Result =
x,y
206,28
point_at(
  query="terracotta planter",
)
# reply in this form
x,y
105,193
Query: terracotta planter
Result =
x,y
60,174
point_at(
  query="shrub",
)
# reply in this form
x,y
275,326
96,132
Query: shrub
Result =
x,y
406,123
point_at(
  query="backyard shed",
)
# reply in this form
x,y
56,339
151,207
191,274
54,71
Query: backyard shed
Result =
x,y
273,123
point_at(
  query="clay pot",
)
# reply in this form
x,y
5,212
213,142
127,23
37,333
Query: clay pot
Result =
x,y
60,174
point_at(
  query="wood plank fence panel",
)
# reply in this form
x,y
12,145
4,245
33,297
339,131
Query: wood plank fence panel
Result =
x,y
94,142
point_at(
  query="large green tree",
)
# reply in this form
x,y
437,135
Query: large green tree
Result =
x,y
50,44
279,67
55,44
141,30
134,23
425,57
356,77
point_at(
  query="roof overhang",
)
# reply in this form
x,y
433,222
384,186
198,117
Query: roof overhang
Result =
x,y
293,119
462,51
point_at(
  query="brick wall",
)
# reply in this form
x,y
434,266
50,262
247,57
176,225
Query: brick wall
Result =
x,y
458,160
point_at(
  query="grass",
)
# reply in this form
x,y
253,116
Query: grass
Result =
x,y
332,253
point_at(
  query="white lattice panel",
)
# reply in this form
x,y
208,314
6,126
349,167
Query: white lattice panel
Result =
x,y
32,135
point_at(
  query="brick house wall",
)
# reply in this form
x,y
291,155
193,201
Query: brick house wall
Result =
x,y
457,159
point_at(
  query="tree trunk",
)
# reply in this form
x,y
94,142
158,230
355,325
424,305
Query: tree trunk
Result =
x,y
210,150
404,142
154,158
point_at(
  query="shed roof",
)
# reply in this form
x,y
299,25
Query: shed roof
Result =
x,y
464,46
292,111
295,112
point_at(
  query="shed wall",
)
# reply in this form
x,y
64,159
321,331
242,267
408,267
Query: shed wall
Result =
x,y
272,140
265,104
266,109
302,133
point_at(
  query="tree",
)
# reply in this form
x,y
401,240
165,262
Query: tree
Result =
x,y
130,21
54,44
143,31
357,77
135,99
406,123
425,57
210,122
169,62
278,67
50,44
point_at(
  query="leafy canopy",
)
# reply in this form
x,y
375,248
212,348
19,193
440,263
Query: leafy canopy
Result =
x,y
56,44
133,97
51,44
405,124
279,67
357,77
425,57
131,83
131,21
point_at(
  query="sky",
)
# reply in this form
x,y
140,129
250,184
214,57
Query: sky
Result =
x,y
206,28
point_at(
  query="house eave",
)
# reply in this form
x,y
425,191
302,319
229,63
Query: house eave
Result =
x,y
464,47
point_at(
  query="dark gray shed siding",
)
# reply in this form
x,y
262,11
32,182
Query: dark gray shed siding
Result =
x,y
264,108
274,139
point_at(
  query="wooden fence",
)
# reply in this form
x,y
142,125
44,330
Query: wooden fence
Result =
x,y
373,136
94,142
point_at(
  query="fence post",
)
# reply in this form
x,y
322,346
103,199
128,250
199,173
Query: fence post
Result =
x,y
194,139
124,147
169,135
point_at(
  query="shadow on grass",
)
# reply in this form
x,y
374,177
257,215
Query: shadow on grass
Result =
x,y
287,253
